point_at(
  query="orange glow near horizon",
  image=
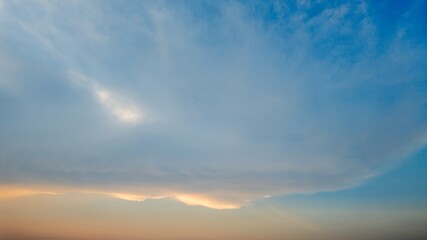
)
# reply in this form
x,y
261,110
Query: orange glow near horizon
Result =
x,y
188,199
82,215
14,192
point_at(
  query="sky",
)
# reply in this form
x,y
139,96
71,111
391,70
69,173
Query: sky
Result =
x,y
301,119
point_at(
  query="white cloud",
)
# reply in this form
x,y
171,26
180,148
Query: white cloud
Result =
x,y
124,111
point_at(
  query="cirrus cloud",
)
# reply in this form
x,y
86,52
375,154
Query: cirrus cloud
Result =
x,y
243,100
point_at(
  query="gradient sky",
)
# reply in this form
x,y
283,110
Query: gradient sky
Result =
x,y
302,119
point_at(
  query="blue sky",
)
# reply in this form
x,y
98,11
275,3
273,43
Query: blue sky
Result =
x,y
221,104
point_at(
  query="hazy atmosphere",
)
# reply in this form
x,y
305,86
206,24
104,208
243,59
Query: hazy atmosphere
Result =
x,y
272,120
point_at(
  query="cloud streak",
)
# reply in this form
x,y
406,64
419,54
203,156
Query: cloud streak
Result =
x,y
125,112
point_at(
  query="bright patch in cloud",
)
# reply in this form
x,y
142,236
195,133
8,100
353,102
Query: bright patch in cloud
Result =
x,y
196,200
123,110
125,113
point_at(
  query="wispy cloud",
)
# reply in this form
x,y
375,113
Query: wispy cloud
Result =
x,y
244,100
124,111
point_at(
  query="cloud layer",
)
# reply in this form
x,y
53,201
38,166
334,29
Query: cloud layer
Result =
x,y
213,104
